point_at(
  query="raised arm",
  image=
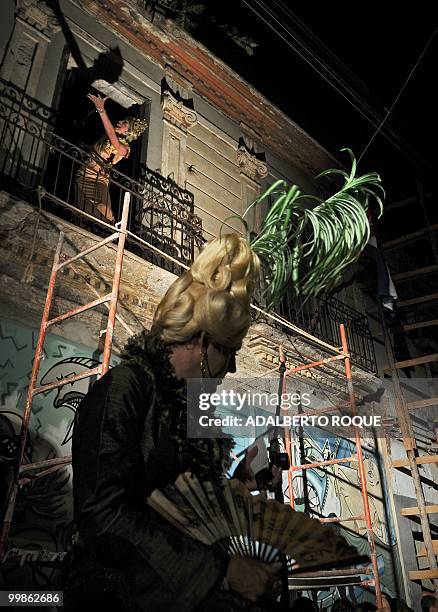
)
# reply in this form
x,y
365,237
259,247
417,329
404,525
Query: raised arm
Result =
x,y
109,128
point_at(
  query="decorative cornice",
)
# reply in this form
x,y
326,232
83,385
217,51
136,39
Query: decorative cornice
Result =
x,y
176,111
268,356
250,165
177,82
37,14
250,136
166,44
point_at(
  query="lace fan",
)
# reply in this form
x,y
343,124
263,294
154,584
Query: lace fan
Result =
x,y
251,525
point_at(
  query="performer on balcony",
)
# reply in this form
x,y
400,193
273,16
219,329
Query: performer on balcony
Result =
x,y
92,181
130,437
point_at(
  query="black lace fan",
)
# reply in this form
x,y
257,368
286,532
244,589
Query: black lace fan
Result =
x,y
240,523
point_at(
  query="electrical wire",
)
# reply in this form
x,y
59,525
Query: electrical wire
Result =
x,y
408,150
332,74
366,111
337,60
328,51
399,93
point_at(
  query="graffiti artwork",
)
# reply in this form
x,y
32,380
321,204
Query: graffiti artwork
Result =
x,y
69,396
43,518
43,512
334,491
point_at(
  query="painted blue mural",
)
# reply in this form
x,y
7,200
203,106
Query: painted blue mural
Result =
x,y
43,512
43,517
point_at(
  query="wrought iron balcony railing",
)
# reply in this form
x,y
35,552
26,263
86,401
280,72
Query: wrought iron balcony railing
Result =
x,y
32,155
322,317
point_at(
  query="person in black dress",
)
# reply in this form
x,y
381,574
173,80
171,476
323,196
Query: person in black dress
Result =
x,y
130,437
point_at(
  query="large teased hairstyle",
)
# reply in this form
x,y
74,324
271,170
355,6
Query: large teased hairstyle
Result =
x,y
136,128
213,296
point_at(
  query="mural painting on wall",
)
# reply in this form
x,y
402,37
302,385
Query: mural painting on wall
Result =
x,y
43,517
334,491
43,514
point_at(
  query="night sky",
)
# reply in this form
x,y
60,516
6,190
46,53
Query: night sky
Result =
x,y
380,44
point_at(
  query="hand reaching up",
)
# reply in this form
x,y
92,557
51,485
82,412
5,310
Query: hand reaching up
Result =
x,y
99,102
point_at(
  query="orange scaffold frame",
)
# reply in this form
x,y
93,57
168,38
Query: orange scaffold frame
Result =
x,y
110,300
343,355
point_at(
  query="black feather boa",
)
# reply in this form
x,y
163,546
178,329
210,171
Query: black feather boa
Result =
x,y
207,458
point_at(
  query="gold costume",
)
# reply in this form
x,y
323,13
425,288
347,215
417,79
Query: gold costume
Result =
x,y
92,193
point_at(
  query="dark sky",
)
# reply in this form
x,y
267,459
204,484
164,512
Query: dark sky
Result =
x,y
379,43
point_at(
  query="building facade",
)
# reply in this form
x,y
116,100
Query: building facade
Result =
x,y
212,145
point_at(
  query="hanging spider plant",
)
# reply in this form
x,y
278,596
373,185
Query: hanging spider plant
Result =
x,y
307,250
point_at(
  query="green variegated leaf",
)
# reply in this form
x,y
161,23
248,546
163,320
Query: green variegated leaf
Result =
x,y
307,250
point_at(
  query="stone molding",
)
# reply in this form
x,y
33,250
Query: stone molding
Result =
x,y
176,112
38,15
250,165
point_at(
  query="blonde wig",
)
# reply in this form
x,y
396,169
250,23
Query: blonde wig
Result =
x,y
213,296
135,129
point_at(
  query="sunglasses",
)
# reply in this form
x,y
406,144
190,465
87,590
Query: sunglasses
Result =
x,y
228,352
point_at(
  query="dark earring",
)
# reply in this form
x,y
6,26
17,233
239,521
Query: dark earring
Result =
x,y
203,364
205,370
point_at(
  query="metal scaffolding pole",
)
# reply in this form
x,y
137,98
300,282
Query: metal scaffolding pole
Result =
x,y
362,473
358,456
402,406
111,299
410,445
